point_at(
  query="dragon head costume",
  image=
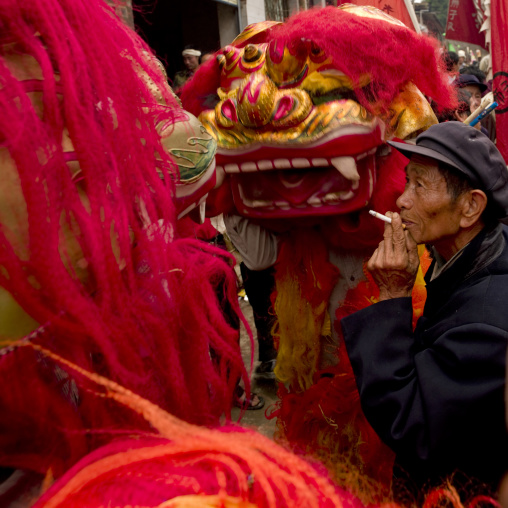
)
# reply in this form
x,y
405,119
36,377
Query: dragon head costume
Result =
x,y
302,109
301,112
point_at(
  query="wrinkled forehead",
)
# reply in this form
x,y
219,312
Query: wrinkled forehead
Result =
x,y
424,167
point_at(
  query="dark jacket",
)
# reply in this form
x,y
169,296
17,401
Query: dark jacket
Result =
x,y
436,395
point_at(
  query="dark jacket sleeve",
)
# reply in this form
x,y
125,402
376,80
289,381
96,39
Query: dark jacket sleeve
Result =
x,y
428,398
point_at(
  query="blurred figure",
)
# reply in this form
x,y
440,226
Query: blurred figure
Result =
x,y
462,58
485,65
191,60
473,85
451,60
461,113
475,71
476,88
206,57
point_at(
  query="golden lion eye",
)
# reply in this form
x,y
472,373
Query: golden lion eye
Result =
x,y
251,53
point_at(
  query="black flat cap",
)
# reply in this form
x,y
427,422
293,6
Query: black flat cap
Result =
x,y
468,79
470,152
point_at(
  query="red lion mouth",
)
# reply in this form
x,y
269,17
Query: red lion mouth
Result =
x,y
334,176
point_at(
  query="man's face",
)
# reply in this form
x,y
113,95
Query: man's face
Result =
x,y
191,62
476,96
426,207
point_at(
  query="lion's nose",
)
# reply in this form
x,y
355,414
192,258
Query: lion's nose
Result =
x,y
255,100
259,102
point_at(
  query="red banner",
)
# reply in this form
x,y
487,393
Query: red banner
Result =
x,y
499,55
465,18
397,9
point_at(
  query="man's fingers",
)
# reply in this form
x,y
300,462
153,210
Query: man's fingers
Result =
x,y
398,237
395,251
412,250
375,259
388,240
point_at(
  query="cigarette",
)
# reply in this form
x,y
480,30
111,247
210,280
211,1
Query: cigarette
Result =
x,y
382,217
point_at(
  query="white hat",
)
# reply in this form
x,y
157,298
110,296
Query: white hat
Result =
x,y
462,53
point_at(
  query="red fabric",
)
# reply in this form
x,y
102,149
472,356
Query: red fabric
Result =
x,y
187,228
499,52
358,231
196,92
464,23
220,200
395,8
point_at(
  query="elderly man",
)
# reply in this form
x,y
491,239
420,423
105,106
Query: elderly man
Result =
x,y
435,394
191,60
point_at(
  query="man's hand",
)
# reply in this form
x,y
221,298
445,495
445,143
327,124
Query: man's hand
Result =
x,y
395,262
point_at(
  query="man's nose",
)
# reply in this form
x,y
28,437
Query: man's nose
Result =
x,y
404,201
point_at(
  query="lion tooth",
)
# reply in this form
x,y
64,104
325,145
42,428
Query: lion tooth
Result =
x,y
232,168
258,203
300,163
317,163
281,164
331,199
345,195
219,176
264,165
346,166
202,209
248,167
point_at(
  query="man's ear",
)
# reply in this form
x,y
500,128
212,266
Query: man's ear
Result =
x,y
473,205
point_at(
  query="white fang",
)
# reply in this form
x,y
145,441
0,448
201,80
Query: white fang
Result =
x,y
346,166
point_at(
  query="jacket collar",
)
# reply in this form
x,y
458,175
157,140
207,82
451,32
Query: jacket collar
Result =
x,y
485,247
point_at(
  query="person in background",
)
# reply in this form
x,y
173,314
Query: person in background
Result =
x,y
259,250
462,58
259,285
461,113
191,60
206,57
451,60
476,88
485,65
490,121
475,71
